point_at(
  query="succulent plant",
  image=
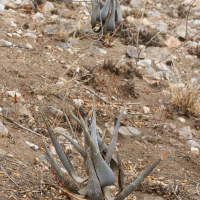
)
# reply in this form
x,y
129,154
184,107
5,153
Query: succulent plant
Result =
x,y
108,14
99,160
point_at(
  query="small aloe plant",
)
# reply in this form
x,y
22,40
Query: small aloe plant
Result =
x,y
100,163
109,15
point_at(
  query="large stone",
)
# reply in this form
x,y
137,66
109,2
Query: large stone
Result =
x,y
10,5
185,133
129,131
133,52
172,42
3,130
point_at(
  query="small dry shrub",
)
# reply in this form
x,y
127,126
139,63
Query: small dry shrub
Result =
x,y
186,99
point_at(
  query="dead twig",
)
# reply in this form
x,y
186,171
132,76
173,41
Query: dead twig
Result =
x,y
107,102
22,126
178,47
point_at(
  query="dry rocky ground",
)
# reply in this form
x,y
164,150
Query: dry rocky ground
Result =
x,y
52,59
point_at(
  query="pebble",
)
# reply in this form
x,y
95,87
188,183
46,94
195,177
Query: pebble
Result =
x,y
54,112
31,35
33,146
48,7
146,109
195,151
129,131
181,119
133,52
3,153
6,43
29,46
42,161
18,95
3,130
185,133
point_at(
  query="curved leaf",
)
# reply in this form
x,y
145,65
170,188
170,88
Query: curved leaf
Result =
x,y
103,171
119,18
126,192
105,10
66,162
71,186
111,23
114,139
94,188
94,127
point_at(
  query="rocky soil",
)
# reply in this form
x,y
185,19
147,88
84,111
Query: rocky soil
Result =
x,y
53,59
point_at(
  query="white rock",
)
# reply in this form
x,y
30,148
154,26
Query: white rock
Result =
x,y
30,35
129,131
48,7
35,147
19,32
13,24
185,133
29,46
78,102
161,26
146,109
9,34
3,153
154,13
6,43
16,35
181,119
195,151
42,161
13,93
3,130
38,17
2,6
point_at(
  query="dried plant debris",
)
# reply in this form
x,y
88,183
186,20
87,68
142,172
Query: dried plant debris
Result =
x,y
112,66
170,191
146,37
187,98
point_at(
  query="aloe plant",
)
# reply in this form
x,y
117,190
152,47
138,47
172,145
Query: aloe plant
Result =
x,y
100,163
106,14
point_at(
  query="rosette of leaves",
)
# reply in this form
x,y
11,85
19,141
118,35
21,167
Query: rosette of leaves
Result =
x,y
107,15
100,163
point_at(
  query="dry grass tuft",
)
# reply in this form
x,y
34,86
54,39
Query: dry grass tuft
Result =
x,y
186,99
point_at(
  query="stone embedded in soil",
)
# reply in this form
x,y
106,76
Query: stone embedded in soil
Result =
x,y
31,35
33,146
61,130
129,131
153,13
133,52
146,109
185,133
110,127
172,42
78,102
181,119
6,43
48,7
10,5
38,17
161,26
3,153
41,160
55,113
195,151
3,130
192,143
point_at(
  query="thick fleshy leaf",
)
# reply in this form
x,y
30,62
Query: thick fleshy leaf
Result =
x,y
66,162
119,18
114,139
77,146
126,192
94,188
103,171
71,186
94,127
95,13
111,23
105,10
